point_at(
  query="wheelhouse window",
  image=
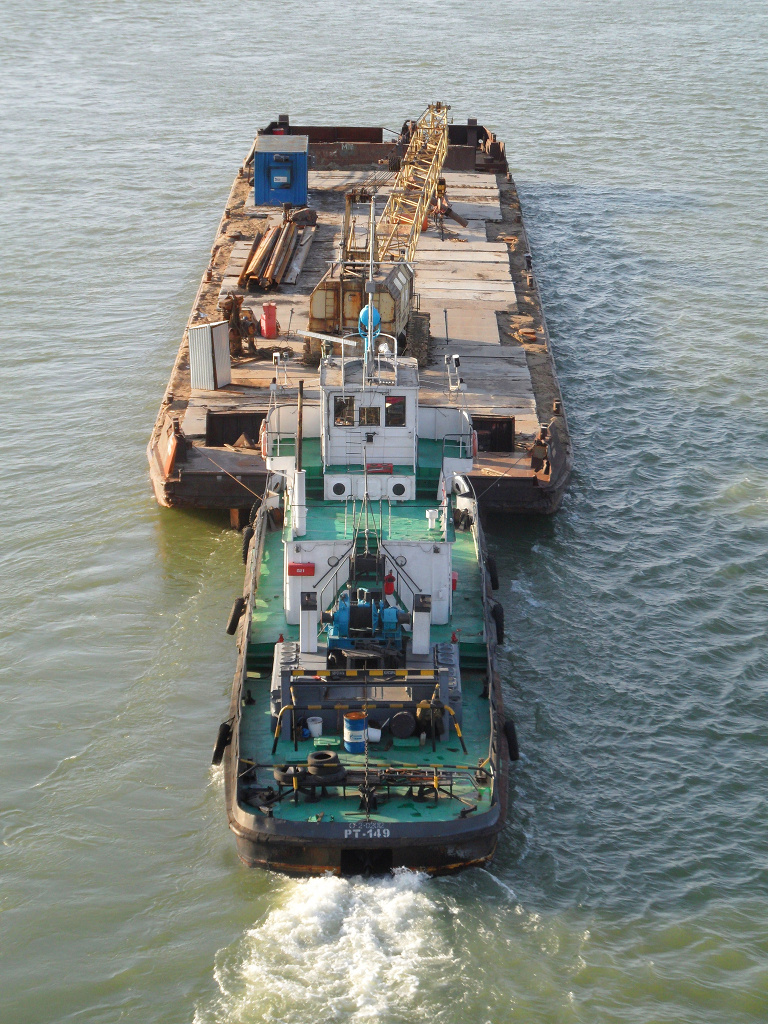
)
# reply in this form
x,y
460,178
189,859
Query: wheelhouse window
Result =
x,y
394,411
344,412
370,416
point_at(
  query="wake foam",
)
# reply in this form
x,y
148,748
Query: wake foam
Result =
x,y
338,949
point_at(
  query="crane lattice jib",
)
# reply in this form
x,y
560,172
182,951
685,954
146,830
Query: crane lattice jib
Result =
x,y
399,227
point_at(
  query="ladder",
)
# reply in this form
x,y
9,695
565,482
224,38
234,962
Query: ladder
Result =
x,y
399,227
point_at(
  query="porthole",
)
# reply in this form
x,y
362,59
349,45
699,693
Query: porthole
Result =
x,y
398,489
333,560
401,560
339,488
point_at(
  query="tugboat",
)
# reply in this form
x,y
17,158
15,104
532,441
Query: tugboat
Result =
x,y
366,730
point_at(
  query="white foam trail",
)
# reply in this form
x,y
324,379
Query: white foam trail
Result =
x,y
337,949
502,885
216,778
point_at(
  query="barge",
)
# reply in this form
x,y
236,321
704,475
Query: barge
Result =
x,y
472,317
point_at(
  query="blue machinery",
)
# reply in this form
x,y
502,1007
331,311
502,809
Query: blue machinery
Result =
x,y
360,616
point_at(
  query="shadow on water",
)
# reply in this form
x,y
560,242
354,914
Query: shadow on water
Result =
x,y
182,534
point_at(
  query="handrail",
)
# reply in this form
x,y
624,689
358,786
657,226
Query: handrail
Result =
x,y
335,568
387,674
393,559
403,767
334,579
413,587
464,442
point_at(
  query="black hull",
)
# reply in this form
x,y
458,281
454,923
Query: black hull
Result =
x,y
518,497
437,856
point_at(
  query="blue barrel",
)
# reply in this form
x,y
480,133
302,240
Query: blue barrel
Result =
x,y
355,724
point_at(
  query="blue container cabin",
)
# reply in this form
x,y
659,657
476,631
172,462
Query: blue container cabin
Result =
x,y
280,170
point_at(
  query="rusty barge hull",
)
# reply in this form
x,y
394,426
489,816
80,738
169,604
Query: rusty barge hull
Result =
x,y
478,298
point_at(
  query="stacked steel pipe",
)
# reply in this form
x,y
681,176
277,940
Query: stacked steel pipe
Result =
x,y
270,258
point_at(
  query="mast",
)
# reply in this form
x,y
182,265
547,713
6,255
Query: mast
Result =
x,y
299,425
370,288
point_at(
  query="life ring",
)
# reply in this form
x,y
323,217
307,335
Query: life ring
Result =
x,y
235,615
510,734
474,444
223,739
263,439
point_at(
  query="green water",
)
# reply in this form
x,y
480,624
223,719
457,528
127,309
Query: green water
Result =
x,y
631,882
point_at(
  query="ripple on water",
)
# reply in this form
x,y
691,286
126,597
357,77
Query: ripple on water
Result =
x,y
630,882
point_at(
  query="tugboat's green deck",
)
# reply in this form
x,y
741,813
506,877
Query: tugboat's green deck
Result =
x,y
256,744
402,521
405,520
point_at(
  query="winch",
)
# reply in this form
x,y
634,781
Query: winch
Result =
x,y
361,615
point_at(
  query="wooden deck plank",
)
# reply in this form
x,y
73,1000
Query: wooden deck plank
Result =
x,y
477,210
461,254
453,270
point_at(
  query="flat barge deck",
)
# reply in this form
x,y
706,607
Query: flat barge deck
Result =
x,y
478,300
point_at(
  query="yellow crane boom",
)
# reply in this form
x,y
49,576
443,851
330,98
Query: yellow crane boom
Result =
x,y
339,297
399,227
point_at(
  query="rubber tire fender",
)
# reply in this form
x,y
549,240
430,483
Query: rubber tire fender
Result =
x,y
497,614
235,615
247,538
286,773
254,512
510,734
493,572
323,759
223,739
